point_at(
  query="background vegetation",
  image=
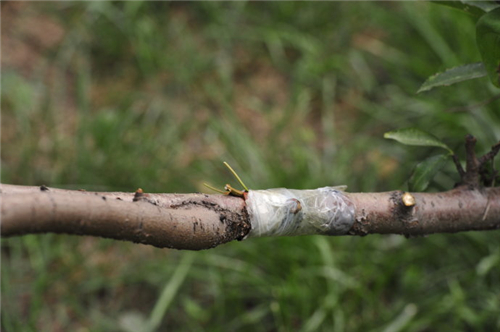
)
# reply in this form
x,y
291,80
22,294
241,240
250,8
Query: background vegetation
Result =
x,y
120,95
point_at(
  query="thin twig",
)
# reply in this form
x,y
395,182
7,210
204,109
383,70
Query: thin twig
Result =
x,y
487,178
471,107
490,155
471,176
459,167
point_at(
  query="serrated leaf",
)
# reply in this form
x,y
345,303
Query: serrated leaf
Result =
x,y
454,75
488,42
414,136
425,171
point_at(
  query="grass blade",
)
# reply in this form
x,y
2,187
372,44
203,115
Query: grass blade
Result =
x,y
168,293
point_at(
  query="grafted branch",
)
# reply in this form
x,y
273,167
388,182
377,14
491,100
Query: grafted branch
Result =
x,y
199,221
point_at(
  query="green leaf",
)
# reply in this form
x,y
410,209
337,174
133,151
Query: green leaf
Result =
x,y
414,136
425,171
474,8
454,75
488,42
484,5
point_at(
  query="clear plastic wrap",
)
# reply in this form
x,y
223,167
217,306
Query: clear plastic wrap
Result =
x,y
288,212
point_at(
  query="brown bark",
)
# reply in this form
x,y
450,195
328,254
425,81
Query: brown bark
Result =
x,y
189,221
457,210
199,221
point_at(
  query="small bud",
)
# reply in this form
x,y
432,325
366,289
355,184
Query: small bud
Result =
x,y
139,194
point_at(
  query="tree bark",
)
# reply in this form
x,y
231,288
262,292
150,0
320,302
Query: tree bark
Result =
x,y
457,210
181,221
200,221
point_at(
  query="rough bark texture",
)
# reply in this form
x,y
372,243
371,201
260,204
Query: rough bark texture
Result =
x,y
199,221
189,221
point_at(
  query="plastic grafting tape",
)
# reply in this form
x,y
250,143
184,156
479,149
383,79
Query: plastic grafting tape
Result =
x,y
288,212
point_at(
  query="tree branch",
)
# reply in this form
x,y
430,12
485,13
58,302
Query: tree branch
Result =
x,y
199,221
452,211
190,221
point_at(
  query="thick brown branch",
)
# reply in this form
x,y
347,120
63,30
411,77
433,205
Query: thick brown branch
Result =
x,y
198,221
193,221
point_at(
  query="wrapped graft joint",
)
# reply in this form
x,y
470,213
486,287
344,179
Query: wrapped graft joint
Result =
x,y
288,212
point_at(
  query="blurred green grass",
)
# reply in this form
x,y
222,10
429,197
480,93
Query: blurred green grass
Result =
x,y
121,95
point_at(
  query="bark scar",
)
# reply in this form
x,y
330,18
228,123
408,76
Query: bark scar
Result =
x,y
139,195
403,208
230,218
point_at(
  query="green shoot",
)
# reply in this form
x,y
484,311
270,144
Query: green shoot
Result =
x,y
228,189
214,189
236,176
